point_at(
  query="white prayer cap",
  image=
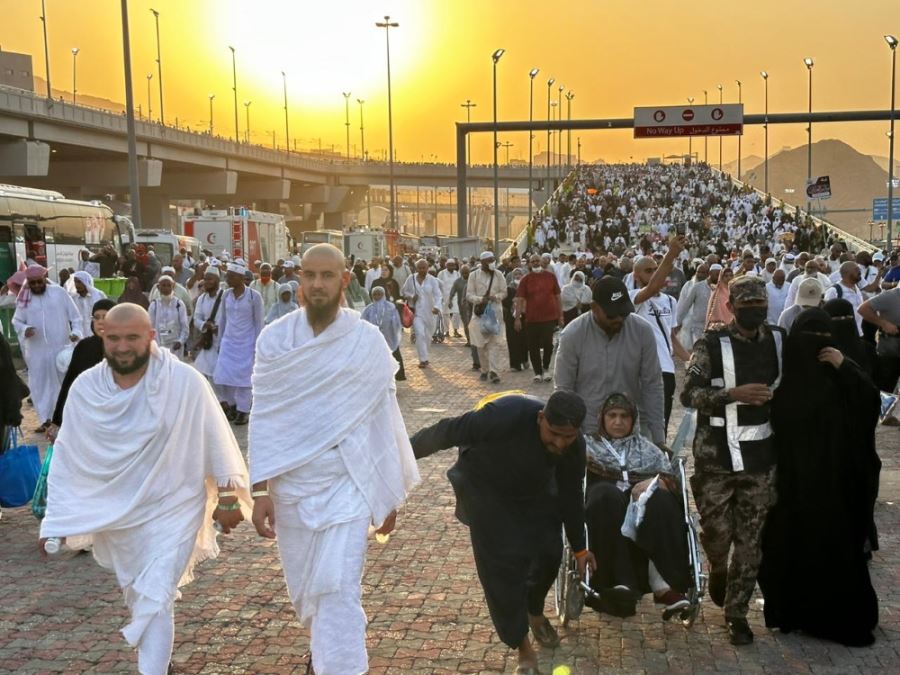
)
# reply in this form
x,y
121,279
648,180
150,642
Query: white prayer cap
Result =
x,y
288,264
879,256
546,256
214,271
236,267
771,261
165,277
451,261
167,268
715,267
214,262
486,255
789,257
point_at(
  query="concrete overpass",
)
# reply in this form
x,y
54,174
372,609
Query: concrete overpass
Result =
x,y
82,152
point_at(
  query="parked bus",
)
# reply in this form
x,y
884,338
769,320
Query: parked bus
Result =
x,y
44,226
165,245
241,233
313,237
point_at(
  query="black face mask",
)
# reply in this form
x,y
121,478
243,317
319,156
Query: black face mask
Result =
x,y
750,318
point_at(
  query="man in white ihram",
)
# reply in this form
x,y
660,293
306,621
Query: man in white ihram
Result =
x,y
142,466
324,484
423,292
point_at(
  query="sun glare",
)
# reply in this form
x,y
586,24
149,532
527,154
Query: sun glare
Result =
x,y
323,47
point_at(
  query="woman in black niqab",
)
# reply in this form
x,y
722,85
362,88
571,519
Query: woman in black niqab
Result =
x,y
847,337
814,576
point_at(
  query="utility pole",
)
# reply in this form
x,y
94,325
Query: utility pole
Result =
x,y
162,114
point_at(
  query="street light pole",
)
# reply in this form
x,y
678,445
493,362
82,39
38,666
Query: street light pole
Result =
x,y
134,189
531,75
549,84
808,62
705,138
162,115
765,77
468,105
506,145
387,24
46,47
247,121
74,73
237,133
149,98
690,101
287,131
495,57
569,96
559,171
212,97
362,140
740,100
719,87
892,43
347,119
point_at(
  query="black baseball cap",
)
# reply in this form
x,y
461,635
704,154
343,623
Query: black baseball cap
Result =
x,y
612,296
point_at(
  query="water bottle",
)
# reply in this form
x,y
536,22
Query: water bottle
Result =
x,y
53,545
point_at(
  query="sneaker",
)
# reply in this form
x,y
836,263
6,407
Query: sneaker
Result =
x,y
718,583
672,600
548,377
537,378
739,632
483,377
495,378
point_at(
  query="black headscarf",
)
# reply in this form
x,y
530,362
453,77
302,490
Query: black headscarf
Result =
x,y
807,383
846,333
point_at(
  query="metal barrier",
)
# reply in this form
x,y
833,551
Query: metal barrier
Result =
x,y
6,315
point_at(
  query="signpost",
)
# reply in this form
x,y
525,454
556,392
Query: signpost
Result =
x,y
694,120
819,188
880,209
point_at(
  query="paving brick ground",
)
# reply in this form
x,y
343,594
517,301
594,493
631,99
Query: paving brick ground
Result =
x,y
422,595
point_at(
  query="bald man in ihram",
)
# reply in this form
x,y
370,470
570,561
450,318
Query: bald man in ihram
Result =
x,y
329,456
143,465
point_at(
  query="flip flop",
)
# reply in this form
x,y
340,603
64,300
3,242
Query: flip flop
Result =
x,y
546,634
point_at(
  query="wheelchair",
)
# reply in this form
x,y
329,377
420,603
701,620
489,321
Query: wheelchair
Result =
x,y
570,590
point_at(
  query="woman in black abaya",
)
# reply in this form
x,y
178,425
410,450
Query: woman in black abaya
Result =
x,y
814,575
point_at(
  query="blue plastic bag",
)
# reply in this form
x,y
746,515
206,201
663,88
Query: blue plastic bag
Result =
x,y
20,467
39,500
488,321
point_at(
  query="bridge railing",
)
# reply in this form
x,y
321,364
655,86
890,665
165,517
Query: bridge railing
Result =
x,y
521,240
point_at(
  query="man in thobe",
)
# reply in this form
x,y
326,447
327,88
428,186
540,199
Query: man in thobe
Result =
x,y
143,493
289,273
181,271
423,293
204,321
46,320
242,319
178,290
487,286
87,265
693,304
848,288
777,291
266,287
520,471
84,297
450,309
321,491
168,317
401,270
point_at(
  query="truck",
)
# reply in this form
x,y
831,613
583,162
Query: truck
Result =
x,y
366,245
462,248
240,233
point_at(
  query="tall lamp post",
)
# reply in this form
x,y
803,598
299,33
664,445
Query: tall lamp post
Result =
x,y
468,105
569,96
690,101
387,24
162,115
362,140
247,120
739,137
507,145
719,87
237,133
43,18
531,75
347,119
134,187
706,138
765,77
559,133
549,84
74,73
808,62
212,97
892,43
287,131
149,98
495,57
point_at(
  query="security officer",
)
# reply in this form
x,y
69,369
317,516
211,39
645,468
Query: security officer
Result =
x,y
731,377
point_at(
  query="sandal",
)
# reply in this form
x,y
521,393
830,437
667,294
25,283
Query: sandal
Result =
x,y
546,634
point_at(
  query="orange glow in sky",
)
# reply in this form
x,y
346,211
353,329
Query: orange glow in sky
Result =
x,y
613,54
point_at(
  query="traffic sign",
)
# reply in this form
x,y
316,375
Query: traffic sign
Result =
x,y
680,121
880,208
819,188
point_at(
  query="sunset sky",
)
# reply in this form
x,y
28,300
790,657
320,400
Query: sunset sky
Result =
x,y
613,55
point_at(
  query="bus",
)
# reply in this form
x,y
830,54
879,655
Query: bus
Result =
x,y
165,245
45,227
313,237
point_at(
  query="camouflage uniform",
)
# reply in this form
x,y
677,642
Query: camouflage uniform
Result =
x,y
733,493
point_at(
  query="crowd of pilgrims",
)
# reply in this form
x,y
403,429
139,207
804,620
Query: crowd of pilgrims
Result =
x,y
610,221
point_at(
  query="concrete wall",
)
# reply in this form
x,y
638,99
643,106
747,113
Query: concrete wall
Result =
x,y
15,71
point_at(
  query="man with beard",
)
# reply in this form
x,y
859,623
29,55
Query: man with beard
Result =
x,y
731,376
242,319
207,321
486,286
423,293
694,302
450,310
145,494
267,287
326,486
465,310
84,297
169,318
46,320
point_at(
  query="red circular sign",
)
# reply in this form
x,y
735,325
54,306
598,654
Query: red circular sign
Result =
x,y
659,115
717,114
687,115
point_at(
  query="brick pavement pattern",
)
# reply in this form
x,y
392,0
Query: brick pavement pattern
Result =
x,y
421,593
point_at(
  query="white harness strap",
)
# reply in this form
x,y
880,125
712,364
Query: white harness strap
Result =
x,y
776,335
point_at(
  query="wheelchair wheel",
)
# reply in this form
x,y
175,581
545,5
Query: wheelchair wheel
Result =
x,y
560,588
